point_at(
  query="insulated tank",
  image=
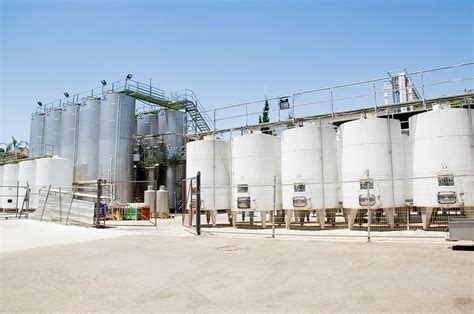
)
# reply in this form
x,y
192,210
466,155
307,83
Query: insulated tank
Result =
x,y
54,171
170,125
69,130
10,182
443,158
309,170
52,132
372,144
36,134
117,122
27,175
212,158
255,163
408,167
88,140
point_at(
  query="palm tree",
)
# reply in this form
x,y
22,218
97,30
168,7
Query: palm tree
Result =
x,y
16,146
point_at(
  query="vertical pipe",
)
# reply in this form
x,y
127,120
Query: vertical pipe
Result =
x,y
390,152
369,214
198,203
97,206
274,206
17,196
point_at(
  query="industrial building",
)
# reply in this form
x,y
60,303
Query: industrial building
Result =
x,y
404,156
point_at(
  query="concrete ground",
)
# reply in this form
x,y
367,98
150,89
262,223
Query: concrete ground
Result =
x,y
130,270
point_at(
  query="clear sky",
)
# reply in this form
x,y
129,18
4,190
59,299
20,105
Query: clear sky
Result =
x,y
227,51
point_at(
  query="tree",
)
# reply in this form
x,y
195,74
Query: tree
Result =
x,y
264,118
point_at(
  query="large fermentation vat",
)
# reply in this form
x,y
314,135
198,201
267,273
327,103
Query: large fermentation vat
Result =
x,y
54,171
309,172
212,158
255,165
69,131
373,145
443,160
171,127
88,140
10,183
36,134
117,123
27,178
52,131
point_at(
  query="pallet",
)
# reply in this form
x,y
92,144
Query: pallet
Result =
x,y
161,215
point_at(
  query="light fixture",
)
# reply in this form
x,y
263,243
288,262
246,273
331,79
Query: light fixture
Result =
x,y
40,103
284,103
66,94
104,82
129,76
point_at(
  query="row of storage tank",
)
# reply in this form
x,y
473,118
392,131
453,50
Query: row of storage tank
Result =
x,y
98,135
318,167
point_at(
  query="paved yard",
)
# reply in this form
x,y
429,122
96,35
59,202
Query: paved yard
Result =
x,y
149,272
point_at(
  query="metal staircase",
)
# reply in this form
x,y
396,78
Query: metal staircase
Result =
x,y
198,121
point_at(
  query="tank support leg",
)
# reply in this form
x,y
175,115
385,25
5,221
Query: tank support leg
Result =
x,y
263,216
289,214
351,216
234,219
208,216
390,217
214,217
321,216
426,217
251,214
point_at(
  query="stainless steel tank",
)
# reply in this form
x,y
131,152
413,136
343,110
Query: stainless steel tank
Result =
x,y
88,140
171,127
36,134
69,129
117,123
52,131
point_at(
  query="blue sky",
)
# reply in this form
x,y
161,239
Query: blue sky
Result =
x,y
227,52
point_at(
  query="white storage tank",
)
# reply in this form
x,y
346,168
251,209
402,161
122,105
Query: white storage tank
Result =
x,y
372,144
27,176
36,134
255,163
212,158
52,132
88,141
162,202
309,172
117,123
69,129
54,171
10,183
443,160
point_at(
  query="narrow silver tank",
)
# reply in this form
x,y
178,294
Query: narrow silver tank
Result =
x,y
117,123
69,128
88,140
170,125
36,134
52,132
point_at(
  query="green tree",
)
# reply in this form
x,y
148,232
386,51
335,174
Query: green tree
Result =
x,y
264,118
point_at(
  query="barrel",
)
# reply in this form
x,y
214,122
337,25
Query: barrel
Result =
x,y
145,213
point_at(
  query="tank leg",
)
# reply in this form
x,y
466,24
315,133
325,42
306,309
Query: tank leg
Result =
x,y
389,216
214,217
234,219
469,212
426,217
351,216
270,213
321,217
264,219
229,216
208,216
251,214
289,214
243,216
307,215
